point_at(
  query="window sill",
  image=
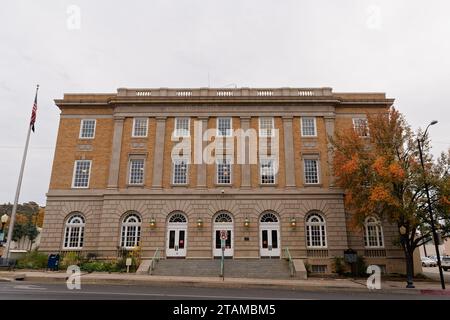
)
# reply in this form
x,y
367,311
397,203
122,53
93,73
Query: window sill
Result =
x,y
309,185
265,185
135,186
224,185
179,185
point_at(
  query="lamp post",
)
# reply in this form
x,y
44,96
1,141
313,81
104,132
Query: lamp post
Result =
x,y
4,219
430,210
409,275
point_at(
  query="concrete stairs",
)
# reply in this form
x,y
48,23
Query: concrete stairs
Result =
x,y
234,268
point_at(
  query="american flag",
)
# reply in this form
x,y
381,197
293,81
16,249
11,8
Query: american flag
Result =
x,y
34,110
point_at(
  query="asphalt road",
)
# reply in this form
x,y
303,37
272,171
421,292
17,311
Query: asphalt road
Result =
x,y
49,291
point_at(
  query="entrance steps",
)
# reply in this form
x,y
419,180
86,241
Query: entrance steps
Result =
x,y
234,268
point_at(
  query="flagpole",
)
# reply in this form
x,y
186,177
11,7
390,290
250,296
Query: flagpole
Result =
x,y
19,184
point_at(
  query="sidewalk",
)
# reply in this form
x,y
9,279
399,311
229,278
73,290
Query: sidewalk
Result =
x,y
313,284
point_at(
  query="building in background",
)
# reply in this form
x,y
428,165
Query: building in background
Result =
x,y
115,185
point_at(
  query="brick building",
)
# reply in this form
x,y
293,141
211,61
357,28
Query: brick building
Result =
x,y
115,184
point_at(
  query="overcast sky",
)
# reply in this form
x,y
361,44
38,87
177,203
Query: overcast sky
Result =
x,y
398,47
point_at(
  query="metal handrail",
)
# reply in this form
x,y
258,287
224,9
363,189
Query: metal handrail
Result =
x,y
155,259
291,262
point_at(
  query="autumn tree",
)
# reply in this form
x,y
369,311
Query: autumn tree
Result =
x,y
382,175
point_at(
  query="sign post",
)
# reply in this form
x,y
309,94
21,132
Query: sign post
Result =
x,y
223,238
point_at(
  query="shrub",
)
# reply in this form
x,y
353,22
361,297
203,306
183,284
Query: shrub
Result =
x,y
361,267
98,266
339,265
33,260
70,258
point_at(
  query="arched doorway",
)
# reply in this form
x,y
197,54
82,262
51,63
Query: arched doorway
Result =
x,y
269,234
176,235
223,221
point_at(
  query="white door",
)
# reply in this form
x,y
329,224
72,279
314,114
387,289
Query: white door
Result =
x,y
269,235
176,243
223,221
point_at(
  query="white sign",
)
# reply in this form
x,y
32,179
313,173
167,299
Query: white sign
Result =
x,y
128,262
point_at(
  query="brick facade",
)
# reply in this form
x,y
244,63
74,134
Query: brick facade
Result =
x,y
109,196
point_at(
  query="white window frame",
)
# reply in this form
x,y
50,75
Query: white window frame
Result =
x,y
356,127
134,127
261,175
69,228
230,131
82,127
177,162
178,133
221,159
318,171
302,127
75,171
263,132
378,230
130,173
323,239
126,228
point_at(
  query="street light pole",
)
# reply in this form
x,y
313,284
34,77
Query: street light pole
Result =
x,y
430,210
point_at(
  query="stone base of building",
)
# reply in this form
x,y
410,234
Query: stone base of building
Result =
x,y
206,215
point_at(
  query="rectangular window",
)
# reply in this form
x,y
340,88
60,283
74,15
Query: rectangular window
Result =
x,y
224,127
318,268
87,129
81,173
182,127
136,171
266,126
311,170
223,171
361,127
180,171
309,127
267,171
140,126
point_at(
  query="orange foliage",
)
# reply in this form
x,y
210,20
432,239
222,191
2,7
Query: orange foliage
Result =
x,y
380,194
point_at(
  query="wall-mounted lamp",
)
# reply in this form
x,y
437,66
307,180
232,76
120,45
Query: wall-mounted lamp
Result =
x,y
246,223
152,223
199,223
293,222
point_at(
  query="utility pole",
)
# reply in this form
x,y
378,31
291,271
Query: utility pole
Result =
x,y
430,210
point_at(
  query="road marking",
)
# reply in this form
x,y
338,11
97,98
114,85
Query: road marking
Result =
x,y
29,287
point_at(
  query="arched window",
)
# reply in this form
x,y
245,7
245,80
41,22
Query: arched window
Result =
x,y
177,217
316,235
131,231
269,217
223,217
74,232
373,233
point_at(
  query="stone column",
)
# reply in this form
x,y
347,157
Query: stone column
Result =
x,y
245,168
158,159
113,179
329,128
289,152
201,165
